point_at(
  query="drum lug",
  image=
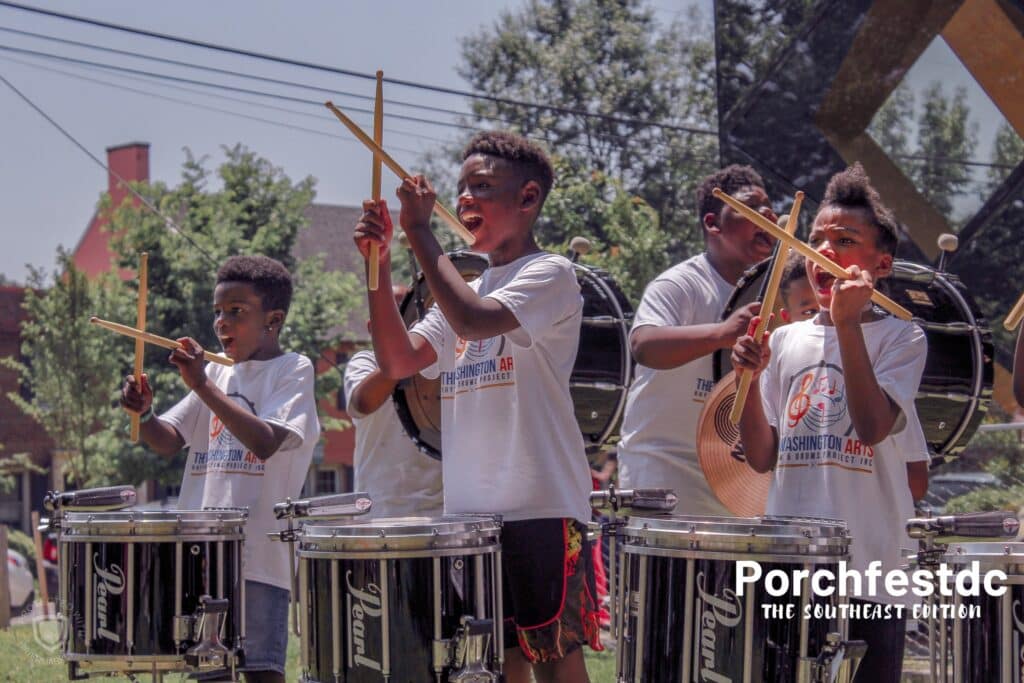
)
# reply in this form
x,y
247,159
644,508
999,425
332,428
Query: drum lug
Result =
x,y
208,653
467,653
836,663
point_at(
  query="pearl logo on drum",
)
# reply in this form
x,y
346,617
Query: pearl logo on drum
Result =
x,y
107,582
725,610
361,605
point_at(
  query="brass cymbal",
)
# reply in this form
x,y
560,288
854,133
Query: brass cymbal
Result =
x,y
736,485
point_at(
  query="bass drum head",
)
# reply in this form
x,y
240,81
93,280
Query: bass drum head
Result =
x,y
600,377
956,386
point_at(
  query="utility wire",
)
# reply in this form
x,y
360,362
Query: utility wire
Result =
x,y
358,74
232,112
127,185
239,74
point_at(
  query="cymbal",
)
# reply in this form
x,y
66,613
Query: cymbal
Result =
x,y
736,485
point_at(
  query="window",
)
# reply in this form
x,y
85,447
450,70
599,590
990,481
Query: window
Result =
x,y
326,481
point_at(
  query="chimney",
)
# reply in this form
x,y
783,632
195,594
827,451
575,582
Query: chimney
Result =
x,y
131,162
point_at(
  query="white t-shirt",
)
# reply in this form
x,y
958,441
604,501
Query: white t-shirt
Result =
x,y
221,472
659,428
510,441
401,480
823,469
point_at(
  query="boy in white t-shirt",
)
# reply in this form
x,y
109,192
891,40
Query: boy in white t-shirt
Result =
x,y
677,327
504,346
833,413
250,430
402,480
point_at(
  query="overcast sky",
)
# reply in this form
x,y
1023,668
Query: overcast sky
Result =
x,y
50,187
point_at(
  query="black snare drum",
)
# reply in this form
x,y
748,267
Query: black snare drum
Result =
x,y
156,591
599,381
404,599
678,614
956,386
988,644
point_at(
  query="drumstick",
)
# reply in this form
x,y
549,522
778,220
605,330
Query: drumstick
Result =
x,y
378,137
767,305
140,322
439,209
796,245
155,339
1015,315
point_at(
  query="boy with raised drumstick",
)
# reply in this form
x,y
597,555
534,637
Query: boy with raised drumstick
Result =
x,y
504,346
833,413
263,409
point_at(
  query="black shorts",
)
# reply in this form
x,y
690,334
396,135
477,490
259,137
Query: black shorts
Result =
x,y
548,589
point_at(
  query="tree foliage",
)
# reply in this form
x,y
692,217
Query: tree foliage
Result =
x,y
647,88
256,210
71,369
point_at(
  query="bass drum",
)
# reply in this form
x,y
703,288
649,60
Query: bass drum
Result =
x,y
599,380
956,386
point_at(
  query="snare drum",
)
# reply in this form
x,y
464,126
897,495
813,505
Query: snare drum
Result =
x,y
679,617
388,599
134,588
599,381
956,386
989,647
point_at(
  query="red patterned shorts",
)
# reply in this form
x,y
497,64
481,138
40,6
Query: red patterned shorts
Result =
x,y
549,594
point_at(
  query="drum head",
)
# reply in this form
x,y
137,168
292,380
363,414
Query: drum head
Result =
x,y
736,485
599,380
394,534
956,386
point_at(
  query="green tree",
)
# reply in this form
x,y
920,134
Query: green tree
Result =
x,y
70,370
945,137
892,126
647,88
258,210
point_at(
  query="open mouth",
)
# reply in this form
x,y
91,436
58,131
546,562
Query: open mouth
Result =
x,y
471,220
824,280
227,343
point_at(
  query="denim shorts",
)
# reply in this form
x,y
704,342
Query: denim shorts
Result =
x,y
266,630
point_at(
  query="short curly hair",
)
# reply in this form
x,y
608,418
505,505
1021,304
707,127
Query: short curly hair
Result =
x,y
529,157
794,271
852,189
731,179
268,277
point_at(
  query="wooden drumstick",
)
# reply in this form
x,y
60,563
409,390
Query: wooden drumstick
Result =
x,y
140,322
1015,315
767,306
378,137
439,209
156,340
796,245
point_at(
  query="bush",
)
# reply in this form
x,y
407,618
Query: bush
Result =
x,y
987,499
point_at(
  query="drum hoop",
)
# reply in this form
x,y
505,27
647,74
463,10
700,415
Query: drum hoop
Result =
x,y
991,552
592,275
227,516
173,537
325,553
814,554
744,528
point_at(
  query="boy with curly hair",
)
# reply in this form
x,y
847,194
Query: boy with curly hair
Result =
x,y
504,346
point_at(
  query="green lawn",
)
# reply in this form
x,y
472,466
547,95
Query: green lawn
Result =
x,y
24,660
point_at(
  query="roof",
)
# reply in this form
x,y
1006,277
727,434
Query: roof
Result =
x,y
330,233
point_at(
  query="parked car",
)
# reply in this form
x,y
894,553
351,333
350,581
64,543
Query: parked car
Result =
x,y
20,582
50,564
944,487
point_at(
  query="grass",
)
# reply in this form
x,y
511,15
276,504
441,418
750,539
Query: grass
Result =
x,y
24,660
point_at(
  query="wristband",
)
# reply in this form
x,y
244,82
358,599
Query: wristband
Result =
x,y
146,416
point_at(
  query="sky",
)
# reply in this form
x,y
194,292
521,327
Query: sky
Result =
x,y
50,187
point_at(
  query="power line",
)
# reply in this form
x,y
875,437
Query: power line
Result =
x,y
247,91
230,112
357,74
149,205
239,74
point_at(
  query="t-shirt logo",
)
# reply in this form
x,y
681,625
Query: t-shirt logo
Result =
x,y
478,350
817,397
478,365
226,453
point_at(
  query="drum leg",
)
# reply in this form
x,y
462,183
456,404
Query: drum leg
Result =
x,y
436,583
335,619
130,590
385,623
638,645
88,597
304,598
620,598
178,569
688,621
500,616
